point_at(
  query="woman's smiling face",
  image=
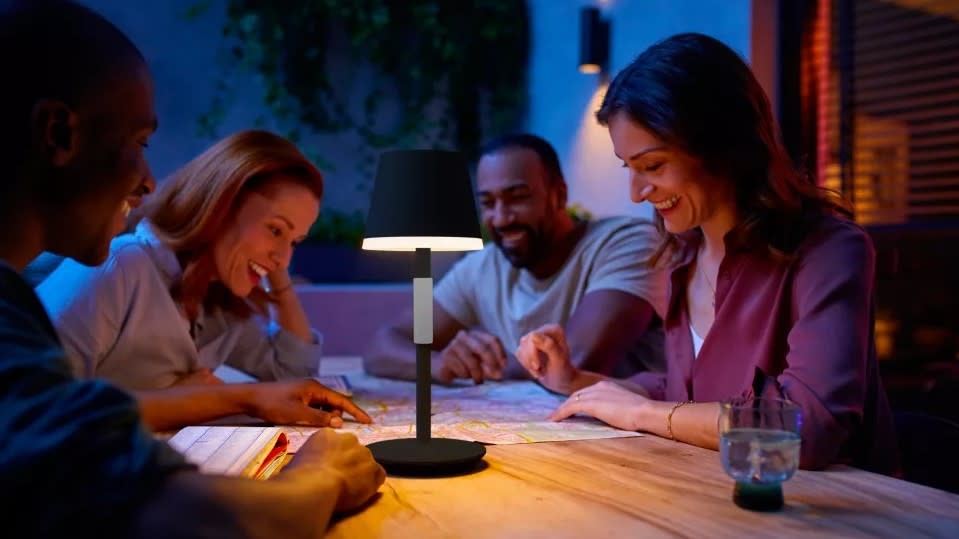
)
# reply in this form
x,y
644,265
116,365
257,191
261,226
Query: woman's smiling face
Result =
x,y
673,181
262,233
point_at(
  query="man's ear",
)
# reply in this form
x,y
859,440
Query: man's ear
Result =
x,y
55,130
560,192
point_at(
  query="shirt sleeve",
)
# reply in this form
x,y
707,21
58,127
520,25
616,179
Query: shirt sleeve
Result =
x,y
829,344
41,267
88,306
269,352
621,264
455,292
74,455
653,382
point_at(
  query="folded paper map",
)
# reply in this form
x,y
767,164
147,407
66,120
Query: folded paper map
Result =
x,y
512,412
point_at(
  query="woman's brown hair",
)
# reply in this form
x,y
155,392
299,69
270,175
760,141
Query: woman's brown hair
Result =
x,y
696,94
192,207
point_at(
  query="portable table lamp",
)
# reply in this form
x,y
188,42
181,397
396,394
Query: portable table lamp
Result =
x,y
423,201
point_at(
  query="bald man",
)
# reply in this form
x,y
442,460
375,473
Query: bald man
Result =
x,y
76,110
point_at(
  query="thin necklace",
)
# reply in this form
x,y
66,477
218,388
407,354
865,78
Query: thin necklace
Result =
x,y
699,269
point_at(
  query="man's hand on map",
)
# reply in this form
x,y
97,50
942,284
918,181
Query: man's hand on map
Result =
x,y
329,454
607,401
301,402
545,354
471,354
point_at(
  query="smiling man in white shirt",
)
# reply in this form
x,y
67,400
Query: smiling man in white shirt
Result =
x,y
543,266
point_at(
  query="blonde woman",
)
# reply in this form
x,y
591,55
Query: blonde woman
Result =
x,y
202,281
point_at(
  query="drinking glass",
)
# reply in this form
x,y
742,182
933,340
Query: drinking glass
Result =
x,y
759,448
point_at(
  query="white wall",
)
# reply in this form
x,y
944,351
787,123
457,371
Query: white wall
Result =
x,y
562,100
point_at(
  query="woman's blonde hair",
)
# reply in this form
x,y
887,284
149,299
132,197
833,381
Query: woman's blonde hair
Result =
x,y
192,207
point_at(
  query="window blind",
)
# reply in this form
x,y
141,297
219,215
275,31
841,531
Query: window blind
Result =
x,y
886,77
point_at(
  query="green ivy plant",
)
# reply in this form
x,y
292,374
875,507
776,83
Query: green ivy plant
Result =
x,y
469,56
578,212
337,227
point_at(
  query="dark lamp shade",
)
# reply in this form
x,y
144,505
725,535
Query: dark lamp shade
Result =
x,y
422,199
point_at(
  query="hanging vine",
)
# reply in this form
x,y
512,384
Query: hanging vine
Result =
x,y
468,56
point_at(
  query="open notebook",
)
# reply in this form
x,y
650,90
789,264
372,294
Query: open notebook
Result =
x,y
255,452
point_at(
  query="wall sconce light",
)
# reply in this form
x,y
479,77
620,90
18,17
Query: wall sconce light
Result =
x,y
593,41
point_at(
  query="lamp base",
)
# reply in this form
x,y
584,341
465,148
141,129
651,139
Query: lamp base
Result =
x,y
427,458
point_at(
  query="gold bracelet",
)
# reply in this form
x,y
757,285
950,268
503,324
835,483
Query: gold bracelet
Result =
x,y
275,292
669,418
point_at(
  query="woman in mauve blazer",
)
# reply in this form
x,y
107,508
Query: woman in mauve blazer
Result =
x,y
771,284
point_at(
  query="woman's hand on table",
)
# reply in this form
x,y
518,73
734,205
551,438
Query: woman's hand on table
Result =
x,y
607,401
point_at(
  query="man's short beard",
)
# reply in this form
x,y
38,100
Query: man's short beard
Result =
x,y
536,247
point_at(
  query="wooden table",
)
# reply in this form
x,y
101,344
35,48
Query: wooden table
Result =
x,y
639,487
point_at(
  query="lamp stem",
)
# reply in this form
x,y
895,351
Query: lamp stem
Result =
x,y
423,337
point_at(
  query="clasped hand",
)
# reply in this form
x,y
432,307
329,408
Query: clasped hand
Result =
x,y
545,353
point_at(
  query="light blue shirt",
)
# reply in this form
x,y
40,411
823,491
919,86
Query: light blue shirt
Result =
x,y
118,321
